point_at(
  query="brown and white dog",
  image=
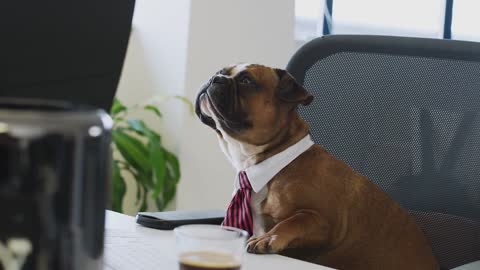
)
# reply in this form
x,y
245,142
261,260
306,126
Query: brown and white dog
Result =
x,y
316,208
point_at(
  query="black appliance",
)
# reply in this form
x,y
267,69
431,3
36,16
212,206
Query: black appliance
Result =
x,y
60,66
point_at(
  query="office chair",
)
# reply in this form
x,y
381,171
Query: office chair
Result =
x,y
406,113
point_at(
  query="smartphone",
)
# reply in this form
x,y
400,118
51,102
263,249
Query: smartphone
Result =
x,y
170,220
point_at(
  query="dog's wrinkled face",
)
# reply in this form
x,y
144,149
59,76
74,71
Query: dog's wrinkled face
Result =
x,y
249,102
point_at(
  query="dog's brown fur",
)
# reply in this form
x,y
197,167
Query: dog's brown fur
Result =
x,y
317,208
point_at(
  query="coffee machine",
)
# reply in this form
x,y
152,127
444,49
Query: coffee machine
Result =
x,y
60,67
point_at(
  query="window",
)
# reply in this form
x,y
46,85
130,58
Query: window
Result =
x,y
308,19
425,18
466,20
379,17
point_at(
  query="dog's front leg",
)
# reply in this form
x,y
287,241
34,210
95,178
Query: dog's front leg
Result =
x,y
305,228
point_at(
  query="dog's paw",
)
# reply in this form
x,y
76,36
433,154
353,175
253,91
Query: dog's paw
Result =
x,y
266,244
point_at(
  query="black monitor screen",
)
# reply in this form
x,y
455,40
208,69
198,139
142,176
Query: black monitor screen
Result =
x,y
63,50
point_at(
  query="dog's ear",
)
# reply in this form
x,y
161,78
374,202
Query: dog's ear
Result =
x,y
288,90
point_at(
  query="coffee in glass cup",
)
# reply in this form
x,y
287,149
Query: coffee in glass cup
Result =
x,y
210,247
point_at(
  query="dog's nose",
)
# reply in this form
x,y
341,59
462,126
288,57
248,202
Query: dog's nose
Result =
x,y
219,79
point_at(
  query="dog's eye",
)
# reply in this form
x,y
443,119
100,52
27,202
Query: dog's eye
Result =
x,y
246,80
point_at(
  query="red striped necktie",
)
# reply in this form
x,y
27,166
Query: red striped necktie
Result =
x,y
239,213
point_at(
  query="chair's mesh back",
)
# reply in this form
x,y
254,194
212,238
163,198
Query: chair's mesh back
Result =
x,y
412,125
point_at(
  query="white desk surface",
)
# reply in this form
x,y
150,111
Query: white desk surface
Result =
x,y
129,246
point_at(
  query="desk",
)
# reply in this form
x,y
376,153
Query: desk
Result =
x,y
129,246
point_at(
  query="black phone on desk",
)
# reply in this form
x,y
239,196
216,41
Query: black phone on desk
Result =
x,y
171,219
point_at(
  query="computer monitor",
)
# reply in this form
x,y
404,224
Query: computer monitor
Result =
x,y
63,50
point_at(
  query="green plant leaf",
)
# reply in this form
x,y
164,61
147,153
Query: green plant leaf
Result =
x,y
138,126
156,170
139,192
187,102
157,159
143,178
170,195
153,109
117,107
159,203
174,164
143,207
170,189
143,183
132,150
119,188
141,128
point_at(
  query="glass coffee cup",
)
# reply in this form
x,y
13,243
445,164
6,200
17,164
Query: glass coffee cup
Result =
x,y
210,247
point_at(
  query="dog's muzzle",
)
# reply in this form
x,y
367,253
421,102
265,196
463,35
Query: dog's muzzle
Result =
x,y
221,94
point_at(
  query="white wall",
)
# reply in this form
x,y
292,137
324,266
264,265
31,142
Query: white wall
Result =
x,y
155,65
176,46
223,32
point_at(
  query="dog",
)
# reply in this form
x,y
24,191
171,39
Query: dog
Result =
x,y
315,207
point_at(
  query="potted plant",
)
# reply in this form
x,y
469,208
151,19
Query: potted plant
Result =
x,y
139,152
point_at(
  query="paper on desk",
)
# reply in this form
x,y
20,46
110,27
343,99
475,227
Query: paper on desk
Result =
x,y
130,250
127,250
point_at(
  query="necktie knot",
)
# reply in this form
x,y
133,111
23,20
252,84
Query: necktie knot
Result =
x,y
243,181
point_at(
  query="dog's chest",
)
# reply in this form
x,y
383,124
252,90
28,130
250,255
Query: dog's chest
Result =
x,y
261,221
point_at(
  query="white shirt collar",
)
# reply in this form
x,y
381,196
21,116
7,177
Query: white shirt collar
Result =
x,y
260,174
